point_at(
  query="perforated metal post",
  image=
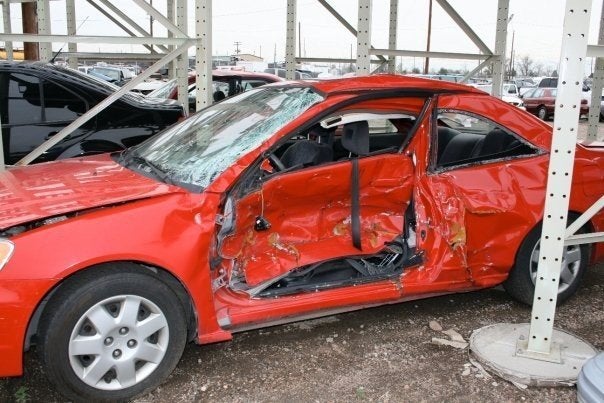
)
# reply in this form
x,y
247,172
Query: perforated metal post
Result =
x,y
364,38
44,29
596,89
170,16
392,35
182,62
203,52
70,13
8,45
500,45
560,173
290,41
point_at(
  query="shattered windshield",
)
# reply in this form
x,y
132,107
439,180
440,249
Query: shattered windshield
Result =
x,y
196,151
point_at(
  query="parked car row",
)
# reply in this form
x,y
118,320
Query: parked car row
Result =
x,y
246,214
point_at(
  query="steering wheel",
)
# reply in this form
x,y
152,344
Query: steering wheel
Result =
x,y
276,162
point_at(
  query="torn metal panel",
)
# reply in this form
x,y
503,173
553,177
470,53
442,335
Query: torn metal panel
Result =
x,y
309,212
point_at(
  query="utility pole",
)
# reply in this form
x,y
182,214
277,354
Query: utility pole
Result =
x,y
237,43
511,73
427,65
29,11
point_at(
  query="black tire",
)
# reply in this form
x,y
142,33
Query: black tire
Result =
x,y
542,113
70,305
519,283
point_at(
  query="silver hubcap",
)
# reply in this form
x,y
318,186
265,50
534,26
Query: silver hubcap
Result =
x,y
569,269
118,342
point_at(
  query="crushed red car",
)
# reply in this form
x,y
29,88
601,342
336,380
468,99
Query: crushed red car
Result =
x,y
290,201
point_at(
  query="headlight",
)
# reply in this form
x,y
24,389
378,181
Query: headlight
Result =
x,y
6,251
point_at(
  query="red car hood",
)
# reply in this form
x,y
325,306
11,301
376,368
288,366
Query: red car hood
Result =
x,y
50,189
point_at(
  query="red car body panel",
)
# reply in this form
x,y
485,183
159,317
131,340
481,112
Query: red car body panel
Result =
x,y
470,220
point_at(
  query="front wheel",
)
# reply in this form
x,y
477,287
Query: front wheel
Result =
x,y
520,284
542,113
112,336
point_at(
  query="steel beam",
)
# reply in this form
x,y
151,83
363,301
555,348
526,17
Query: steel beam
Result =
x,y
104,103
501,35
392,34
364,38
596,89
345,23
44,28
132,23
118,57
8,45
434,55
170,15
159,17
203,53
115,21
464,27
70,13
476,69
182,61
290,41
584,218
123,40
560,173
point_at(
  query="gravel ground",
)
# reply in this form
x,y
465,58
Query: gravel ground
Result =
x,y
382,354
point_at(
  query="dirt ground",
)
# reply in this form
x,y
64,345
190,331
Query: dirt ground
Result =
x,y
379,355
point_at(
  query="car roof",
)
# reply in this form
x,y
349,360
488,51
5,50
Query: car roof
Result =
x,y
384,82
245,74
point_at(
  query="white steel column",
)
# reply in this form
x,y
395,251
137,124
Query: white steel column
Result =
x,y
500,46
182,62
170,16
8,45
392,34
70,13
44,29
596,90
290,41
560,173
203,53
364,38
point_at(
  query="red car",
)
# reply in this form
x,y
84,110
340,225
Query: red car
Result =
x,y
542,103
225,83
290,201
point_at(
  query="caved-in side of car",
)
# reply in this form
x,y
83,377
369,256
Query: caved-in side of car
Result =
x,y
289,201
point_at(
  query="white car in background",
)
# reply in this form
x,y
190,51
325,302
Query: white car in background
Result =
x,y
509,92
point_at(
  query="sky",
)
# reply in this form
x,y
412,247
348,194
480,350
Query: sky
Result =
x,y
260,26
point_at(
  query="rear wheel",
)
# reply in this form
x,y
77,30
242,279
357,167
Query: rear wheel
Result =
x,y
113,336
520,284
542,113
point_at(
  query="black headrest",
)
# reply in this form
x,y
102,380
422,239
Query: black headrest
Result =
x,y
356,138
495,142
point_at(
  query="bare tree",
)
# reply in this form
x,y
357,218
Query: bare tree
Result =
x,y
524,65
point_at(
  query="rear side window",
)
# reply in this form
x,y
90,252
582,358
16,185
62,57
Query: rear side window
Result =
x,y
32,101
463,138
24,105
61,104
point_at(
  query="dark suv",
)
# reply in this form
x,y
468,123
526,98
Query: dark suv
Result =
x,y
37,100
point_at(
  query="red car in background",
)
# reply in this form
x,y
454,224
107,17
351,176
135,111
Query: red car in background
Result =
x,y
542,102
225,83
288,201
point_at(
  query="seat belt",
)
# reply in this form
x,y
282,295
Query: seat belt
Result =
x,y
355,213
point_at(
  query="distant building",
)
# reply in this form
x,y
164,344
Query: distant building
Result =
x,y
246,57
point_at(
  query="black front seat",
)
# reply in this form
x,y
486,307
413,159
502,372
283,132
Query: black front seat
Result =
x,y
306,153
